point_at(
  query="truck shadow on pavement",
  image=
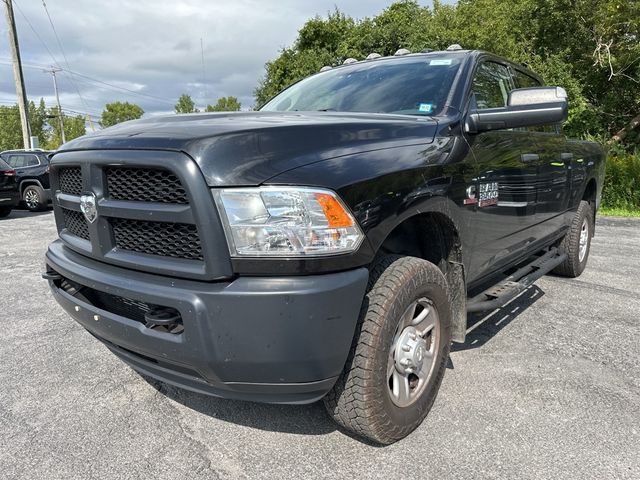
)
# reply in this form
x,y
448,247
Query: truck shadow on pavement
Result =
x,y
19,214
312,419
309,419
483,326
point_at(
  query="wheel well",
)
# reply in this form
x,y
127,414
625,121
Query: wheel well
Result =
x,y
590,192
26,183
430,236
433,237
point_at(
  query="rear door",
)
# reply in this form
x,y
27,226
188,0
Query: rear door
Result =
x,y
505,187
556,158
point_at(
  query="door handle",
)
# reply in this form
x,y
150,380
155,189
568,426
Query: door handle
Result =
x,y
529,157
566,156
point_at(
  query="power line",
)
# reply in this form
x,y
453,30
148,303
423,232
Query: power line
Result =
x,y
37,34
55,61
64,55
95,80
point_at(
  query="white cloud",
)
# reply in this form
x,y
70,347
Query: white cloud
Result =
x,y
153,47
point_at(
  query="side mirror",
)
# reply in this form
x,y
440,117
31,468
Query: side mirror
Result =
x,y
526,107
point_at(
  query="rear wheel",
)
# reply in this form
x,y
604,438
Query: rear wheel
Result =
x,y
399,353
33,198
577,242
5,211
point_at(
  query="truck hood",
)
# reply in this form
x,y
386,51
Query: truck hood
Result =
x,y
249,148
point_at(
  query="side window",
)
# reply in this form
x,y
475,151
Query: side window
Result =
x,y
525,81
491,85
31,161
14,161
21,161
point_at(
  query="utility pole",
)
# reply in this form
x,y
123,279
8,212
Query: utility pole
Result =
x,y
17,75
55,88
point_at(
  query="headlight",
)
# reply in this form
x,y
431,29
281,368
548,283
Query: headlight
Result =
x,y
286,221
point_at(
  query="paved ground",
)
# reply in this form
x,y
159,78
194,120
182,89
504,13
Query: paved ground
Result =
x,y
546,388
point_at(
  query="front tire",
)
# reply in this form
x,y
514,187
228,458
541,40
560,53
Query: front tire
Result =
x,y
33,198
577,242
399,352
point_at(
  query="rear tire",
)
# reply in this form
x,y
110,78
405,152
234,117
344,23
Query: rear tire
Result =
x,y
378,396
33,198
577,242
5,211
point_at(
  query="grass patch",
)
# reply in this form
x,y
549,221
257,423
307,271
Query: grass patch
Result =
x,y
618,212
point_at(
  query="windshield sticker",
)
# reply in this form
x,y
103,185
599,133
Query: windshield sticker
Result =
x,y
440,61
425,107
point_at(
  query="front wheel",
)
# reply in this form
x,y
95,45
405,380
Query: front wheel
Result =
x,y
33,198
399,352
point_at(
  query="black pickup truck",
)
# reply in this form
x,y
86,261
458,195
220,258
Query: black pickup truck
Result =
x,y
331,244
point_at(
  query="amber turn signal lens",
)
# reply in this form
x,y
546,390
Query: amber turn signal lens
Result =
x,y
335,213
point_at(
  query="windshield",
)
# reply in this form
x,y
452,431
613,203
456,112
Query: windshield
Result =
x,y
413,86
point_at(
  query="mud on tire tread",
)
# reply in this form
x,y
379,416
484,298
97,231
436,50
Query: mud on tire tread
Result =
x,y
358,402
572,267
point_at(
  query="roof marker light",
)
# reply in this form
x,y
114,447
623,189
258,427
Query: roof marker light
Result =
x,y
402,51
325,68
455,46
349,60
373,56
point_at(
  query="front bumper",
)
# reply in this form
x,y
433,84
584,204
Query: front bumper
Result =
x,y
269,339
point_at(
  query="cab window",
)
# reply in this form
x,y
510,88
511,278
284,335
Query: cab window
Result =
x,y
491,86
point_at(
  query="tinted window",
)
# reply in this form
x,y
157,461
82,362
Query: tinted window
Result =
x,y
414,86
491,85
21,161
525,81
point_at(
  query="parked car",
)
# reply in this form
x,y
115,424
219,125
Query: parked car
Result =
x,y
330,245
9,195
32,169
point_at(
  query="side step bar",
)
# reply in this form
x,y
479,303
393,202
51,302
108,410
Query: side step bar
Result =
x,y
517,282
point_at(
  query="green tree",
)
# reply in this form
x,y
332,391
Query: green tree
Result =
x,y
74,127
225,104
118,112
10,128
39,122
590,47
185,104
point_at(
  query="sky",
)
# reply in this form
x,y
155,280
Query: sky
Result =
x,y
149,51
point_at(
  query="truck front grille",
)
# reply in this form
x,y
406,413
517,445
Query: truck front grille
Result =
x,y
70,180
144,185
154,212
75,223
177,240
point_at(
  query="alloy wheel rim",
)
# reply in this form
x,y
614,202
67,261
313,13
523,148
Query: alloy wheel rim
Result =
x,y
31,199
412,356
584,240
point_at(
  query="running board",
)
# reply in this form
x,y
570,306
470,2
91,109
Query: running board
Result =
x,y
516,283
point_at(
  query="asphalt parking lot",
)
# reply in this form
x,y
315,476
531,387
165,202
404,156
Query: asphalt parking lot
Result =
x,y
547,387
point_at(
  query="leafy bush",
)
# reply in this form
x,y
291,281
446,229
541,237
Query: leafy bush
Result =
x,y
622,181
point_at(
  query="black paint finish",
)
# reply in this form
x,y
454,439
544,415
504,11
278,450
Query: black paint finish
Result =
x,y
259,328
